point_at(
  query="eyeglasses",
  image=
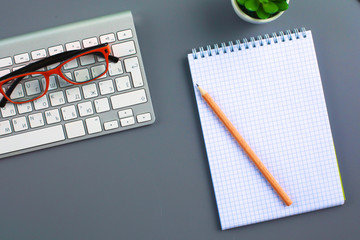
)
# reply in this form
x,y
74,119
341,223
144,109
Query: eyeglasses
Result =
x,y
72,66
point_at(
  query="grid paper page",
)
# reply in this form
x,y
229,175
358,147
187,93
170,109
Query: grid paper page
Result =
x,y
273,95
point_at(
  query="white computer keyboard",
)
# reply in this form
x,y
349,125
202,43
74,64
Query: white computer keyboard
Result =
x,y
118,101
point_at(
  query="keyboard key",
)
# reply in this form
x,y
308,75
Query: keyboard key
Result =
x,y
93,125
143,117
52,83
73,94
69,76
97,71
52,116
18,92
17,68
56,50
24,107
36,120
75,129
90,91
41,103
70,65
90,42
5,62
69,112
73,46
106,87
128,99
52,66
132,66
38,54
21,58
4,72
115,68
127,121
111,125
102,105
32,87
108,38
125,113
87,60
20,124
5,127
63,83
85,109
57,98
123,49
8,110
38,138
122,83
124,34
82,75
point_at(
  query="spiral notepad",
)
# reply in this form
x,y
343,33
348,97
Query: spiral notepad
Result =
x,y
270,89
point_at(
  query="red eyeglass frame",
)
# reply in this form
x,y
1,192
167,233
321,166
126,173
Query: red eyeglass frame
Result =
x,y
57,70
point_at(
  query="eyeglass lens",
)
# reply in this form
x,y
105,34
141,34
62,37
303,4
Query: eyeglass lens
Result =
x,y
84,68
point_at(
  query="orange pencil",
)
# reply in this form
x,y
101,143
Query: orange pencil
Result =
x,y
245,146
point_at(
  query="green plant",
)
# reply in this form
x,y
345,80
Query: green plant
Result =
x,y
262,9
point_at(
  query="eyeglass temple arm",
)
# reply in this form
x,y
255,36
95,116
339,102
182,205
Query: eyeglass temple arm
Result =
x,y
113,59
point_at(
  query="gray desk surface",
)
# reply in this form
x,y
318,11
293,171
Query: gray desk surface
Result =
x,y
154,182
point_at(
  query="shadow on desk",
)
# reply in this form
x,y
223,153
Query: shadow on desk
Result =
x,y
201,139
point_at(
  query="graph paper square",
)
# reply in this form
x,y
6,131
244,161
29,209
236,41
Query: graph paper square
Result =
x,y
273,95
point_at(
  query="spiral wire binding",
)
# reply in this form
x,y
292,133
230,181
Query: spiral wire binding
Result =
x,y
194,53
296,32
202,52
216,48
288,33
246,43
223,46
238,44
208,47
303,32
275,37
231,47
282,37
252,40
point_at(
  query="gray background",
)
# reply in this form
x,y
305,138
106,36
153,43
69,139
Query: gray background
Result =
x,y
154,182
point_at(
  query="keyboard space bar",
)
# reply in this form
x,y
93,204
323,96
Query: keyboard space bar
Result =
x,y
31,139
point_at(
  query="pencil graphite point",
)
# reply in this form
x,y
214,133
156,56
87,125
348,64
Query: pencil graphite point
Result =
x,y
202,91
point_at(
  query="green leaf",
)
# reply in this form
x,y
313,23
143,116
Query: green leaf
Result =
x,y
282,5
262,14
241,2
252,5
270,7
264,1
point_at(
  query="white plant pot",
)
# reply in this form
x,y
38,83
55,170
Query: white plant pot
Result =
x,y
249,19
